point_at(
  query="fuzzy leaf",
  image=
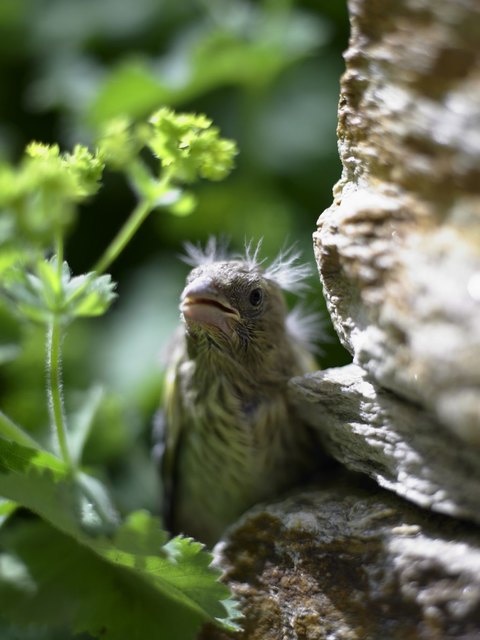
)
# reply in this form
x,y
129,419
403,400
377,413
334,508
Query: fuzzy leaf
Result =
x,y
7,508
11,431
41,482
133,579
81,422
43,294
96,295
69,586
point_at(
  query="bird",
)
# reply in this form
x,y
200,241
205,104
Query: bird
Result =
x,y
229,437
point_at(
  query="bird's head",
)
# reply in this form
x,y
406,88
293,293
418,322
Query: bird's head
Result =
x,y
237,304
231,304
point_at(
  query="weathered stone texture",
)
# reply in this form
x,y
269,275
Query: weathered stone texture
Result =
x,y
399,250
344,563
395,442
398,254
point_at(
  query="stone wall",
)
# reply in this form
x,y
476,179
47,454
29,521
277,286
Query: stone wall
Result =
x,y
398,254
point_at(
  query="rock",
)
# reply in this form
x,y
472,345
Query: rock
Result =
x,y
345,563
398,254
397,443
399,250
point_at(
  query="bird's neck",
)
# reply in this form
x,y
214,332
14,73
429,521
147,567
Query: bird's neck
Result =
x,y
214,363
248,370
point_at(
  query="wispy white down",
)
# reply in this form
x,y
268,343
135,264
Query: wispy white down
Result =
x,y
307,328
215,250
252,255
286,270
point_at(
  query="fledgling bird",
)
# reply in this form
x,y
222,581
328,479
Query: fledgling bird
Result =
x,y
231,437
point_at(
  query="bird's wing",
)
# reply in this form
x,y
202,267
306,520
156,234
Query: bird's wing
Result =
x,y
172,429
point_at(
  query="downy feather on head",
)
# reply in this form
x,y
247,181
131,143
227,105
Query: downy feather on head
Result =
x,y
286,270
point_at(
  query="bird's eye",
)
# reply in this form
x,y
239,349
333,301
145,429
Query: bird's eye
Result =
x,y
256,296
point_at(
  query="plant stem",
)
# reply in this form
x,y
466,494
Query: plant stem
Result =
x,y
123,237
59,253
54,389
114,249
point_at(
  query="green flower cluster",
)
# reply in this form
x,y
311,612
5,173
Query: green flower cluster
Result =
x,y
186,145
37,199
189,147
38,204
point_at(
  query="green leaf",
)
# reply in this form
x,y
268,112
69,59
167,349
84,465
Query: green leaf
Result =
x,y
141,534
24,292
43,294
81,422
7,508
66,585
47,272
248,48
89,295
41,482
173,578
10,431
130,89
16,632
97,513
9,256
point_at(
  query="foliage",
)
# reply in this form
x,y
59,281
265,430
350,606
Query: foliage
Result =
x,y
131,578
89,72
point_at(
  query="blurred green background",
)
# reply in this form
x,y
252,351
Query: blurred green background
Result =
x,y
268,74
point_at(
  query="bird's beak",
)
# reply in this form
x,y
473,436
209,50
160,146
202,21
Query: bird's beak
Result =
x,y
202,303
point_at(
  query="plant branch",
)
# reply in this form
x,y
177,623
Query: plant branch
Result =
x,y
59,253
55,389
123,237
